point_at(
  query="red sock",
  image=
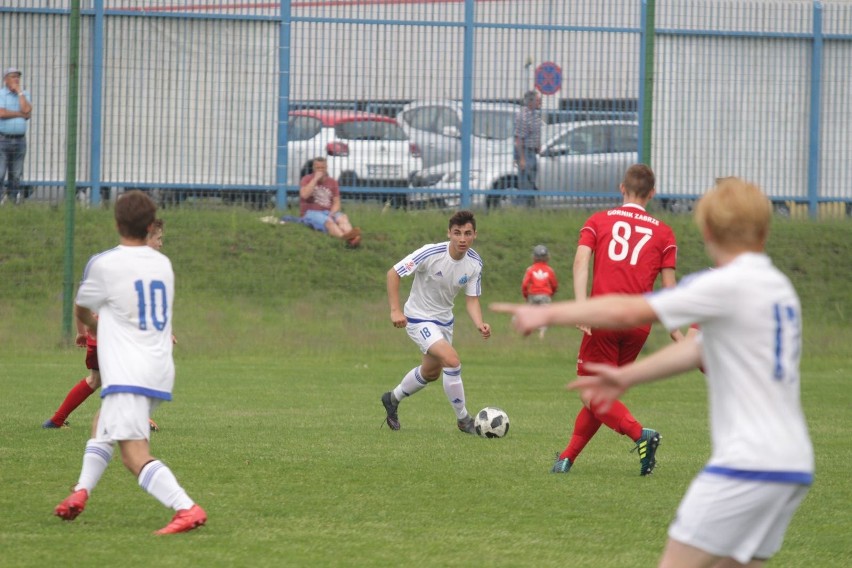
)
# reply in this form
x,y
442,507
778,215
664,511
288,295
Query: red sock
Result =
x,y
619,419
585,427
73,399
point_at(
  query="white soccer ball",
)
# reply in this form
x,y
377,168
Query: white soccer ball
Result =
x,y
491,422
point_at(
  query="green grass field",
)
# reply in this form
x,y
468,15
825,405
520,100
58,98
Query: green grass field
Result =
x,y
284,347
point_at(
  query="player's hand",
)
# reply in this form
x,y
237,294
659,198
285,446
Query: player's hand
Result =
x,y
526,318
398,318
485,330
584,328
602,388
80,340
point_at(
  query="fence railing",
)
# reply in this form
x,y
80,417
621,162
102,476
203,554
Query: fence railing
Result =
x,y
194,99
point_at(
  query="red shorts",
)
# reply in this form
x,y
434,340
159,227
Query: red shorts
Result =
x,y
92,357
613,347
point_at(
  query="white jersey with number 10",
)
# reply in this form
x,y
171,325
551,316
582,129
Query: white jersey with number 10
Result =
x,y
131,288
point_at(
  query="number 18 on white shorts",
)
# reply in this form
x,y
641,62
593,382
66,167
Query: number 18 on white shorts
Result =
x,y
426,333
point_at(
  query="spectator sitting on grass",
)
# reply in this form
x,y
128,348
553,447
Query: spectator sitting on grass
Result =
x,y
319,205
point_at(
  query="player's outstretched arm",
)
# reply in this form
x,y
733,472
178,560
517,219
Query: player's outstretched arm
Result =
x,y
612,312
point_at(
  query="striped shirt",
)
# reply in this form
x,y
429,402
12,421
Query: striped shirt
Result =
x,y
528,128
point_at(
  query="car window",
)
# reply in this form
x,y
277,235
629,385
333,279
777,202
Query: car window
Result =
x,y
302,127
493,124
584,140
445,117
420,118
369,130
625,138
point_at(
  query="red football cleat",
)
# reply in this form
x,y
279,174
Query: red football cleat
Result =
x,y
72,506
185,520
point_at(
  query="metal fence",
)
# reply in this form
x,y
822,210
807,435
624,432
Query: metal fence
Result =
x,y
194,99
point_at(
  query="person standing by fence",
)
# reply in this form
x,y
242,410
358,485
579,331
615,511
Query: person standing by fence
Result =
x,y
528,143
15,110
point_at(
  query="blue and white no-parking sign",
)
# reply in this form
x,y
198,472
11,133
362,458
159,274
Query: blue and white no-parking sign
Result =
x,y
548,78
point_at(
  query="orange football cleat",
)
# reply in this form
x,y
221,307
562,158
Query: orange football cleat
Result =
x,y
185,520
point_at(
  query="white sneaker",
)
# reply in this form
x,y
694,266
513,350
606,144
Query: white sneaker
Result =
x,y
4,199
19,198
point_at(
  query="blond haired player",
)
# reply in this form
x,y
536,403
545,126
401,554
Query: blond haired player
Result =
x,y
737,509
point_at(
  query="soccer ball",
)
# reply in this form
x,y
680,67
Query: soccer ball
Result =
x,y
491,422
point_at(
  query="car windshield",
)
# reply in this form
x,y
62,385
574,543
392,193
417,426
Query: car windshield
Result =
x,y
493,124
369,130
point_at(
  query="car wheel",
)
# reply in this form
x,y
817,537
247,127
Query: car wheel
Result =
x,y
505,198
782,209
398,201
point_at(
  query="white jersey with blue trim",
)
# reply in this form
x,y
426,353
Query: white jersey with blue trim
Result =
x,y
438,278
750,323
131,288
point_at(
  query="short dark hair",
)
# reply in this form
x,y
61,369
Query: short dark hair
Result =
x,y
639,180
462,218
135,212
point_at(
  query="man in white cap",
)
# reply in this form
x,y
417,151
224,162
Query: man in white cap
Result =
x,y
15,110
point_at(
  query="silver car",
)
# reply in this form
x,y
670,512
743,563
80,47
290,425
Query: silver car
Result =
x,y
578,161
436,127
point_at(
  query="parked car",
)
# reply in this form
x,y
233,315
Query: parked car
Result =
x,y
362,149
582,159
436,127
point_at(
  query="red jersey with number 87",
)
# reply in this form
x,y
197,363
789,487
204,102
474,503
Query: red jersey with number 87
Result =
x,y
630,249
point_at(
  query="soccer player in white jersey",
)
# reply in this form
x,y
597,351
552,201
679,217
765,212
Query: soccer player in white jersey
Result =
x,y
737,509
131,288
440,272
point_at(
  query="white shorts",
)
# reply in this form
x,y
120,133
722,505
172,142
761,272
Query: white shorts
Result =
x,y
734,518
124,416
427,333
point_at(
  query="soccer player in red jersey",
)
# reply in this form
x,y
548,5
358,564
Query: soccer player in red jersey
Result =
x,y
630,249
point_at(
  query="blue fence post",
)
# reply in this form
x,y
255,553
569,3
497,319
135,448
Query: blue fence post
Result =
x,y
814,118
281,164
467,103
646,79
97,87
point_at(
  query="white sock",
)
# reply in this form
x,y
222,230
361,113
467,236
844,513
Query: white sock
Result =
x,y
411,383
454,388
157,479
95,461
